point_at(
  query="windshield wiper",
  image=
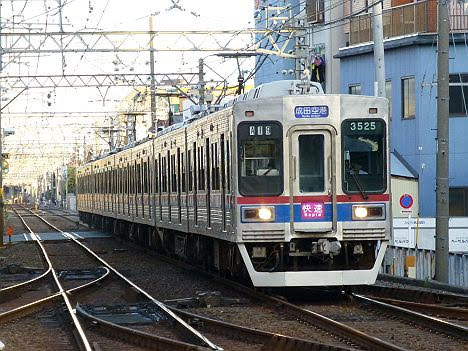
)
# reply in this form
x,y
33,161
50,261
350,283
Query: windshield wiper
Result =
x,y
359,185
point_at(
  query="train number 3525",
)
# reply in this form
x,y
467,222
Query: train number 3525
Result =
x,y
362,126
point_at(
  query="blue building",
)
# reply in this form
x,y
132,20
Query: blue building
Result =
x,y
411,86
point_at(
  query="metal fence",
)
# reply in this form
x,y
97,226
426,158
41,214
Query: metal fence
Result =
x,y
395,264
418,17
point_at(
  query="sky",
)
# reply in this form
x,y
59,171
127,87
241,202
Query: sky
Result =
x,y
49,122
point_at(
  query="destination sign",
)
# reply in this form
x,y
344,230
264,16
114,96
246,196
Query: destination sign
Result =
x,y
311,111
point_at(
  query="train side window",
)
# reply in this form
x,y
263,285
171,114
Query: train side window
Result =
x,y
164,176
156,176
183,174
228,165
201,169
195,176
138,178
223,160
190,170
169,169
179,169
173,174
148,175
207,153
145,177
214,166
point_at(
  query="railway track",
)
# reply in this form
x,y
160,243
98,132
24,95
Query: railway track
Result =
x,y
352,337
265,340
435,329
151,340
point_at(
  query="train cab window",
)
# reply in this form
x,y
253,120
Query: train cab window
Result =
x,y
364,162
311,163
260,158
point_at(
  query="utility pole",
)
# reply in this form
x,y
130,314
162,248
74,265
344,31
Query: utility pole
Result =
x,y
201,83
61,37
153,81
442,171
379,62
1,138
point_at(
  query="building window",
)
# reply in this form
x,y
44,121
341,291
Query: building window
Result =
x,y
354,89
458,198
407,97
388,95
458,92
315,11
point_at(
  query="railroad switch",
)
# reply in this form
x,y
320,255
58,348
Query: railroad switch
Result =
x,y
206,299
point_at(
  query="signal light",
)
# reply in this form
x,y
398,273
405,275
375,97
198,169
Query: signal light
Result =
x,y
249,113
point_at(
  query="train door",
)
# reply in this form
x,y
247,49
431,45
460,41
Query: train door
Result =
x,y
312,184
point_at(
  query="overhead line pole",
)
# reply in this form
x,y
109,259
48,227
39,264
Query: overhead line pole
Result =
x,y
442,170
153,81
1,137
379,62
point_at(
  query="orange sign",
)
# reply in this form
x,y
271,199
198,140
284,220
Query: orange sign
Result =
x,y
10,230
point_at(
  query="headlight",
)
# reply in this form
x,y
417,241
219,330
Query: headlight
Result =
x,y
265,213
360,212
258,214
368,212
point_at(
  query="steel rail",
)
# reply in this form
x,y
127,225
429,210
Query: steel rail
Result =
x,y
419,318
193,333
327,324
280,342
27,308
81,335
136,336
9,290
422,295
451,312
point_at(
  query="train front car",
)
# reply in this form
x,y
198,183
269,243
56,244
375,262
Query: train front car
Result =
x,y
313,190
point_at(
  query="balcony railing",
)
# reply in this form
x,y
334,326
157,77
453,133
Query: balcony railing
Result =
x,y
419,17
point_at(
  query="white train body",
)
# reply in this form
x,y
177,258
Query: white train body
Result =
x,y
291,190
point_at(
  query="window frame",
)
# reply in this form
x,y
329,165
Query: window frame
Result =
x,y
462,83
403,100
315,11
354,85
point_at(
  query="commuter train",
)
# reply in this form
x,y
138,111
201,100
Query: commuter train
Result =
x,y
285,185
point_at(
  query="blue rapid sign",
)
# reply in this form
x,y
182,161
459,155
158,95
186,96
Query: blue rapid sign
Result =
x,y
311,111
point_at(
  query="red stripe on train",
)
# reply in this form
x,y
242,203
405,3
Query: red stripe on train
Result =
x,y
320,198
